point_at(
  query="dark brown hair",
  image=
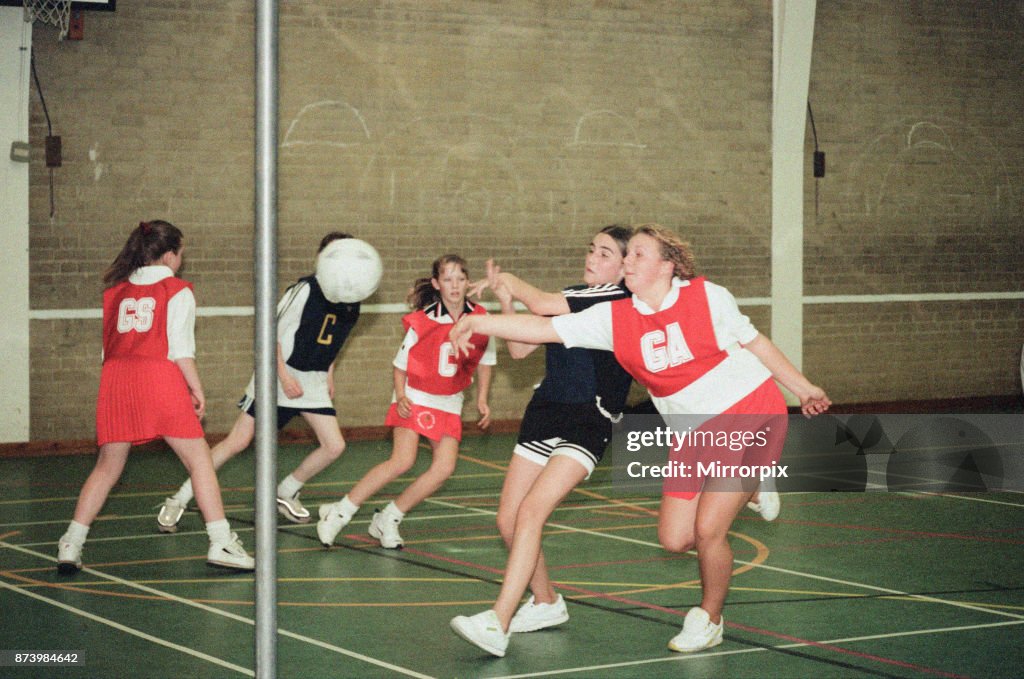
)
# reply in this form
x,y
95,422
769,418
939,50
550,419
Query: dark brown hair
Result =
x,y
330,238
620,233
146,244
423,293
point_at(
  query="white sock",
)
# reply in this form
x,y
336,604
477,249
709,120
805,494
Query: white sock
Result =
x,y
346,507
393,511
219,531
76,533
184,494
289,487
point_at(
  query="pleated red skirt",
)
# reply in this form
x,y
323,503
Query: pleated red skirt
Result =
x,y
144,399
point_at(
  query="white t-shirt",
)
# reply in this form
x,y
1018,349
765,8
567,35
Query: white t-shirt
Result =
x,y
728,382
315,392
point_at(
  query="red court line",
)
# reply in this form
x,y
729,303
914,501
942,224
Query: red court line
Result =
x,y
622,562
678,613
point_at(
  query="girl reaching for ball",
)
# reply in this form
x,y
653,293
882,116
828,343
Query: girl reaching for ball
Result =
x,y
564,433
314,318
686,340
429,377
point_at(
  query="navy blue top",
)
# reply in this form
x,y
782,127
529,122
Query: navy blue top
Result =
x,y
581,375
322,331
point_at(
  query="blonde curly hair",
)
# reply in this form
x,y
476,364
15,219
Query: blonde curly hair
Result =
x,y
673,249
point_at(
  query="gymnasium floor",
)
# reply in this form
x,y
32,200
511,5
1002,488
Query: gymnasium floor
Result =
x,y
841,585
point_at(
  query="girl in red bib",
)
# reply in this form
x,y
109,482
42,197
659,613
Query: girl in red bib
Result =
x,y
685,340
150,388
429,377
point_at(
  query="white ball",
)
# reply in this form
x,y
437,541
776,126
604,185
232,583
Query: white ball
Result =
x,y
348,270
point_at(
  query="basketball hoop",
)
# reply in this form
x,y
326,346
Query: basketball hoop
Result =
x,y
52,12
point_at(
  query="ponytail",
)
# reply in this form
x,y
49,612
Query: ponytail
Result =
x,y
146,244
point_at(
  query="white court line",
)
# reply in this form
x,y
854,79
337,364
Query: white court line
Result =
x,y
128,630
227,614
710,654
398,308
965,497
777,569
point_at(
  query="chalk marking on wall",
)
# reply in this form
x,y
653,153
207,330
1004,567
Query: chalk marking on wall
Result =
x,y
312,109
904,137
583,119
98,168
400,308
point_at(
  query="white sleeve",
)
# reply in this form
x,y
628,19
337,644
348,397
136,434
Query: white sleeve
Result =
x,y
402,357
181,323
490,356
730,324
590,328
289,315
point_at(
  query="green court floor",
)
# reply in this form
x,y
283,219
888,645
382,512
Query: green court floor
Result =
x,y
840,585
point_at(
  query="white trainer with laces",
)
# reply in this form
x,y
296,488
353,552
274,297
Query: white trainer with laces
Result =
x,y
291,508
69,558
169,516
698,633
384,527
230,555
483,630
330,524
768,504
532,616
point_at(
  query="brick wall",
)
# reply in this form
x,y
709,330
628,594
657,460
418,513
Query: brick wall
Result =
x,y
514,130
918,106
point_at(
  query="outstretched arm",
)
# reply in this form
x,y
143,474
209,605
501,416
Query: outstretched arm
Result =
x,y
536,300
519,328
813,400
504,294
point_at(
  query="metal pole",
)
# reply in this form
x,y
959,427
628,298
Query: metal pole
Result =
x,y
265,273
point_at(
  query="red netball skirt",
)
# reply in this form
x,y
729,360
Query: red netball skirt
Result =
x,y
429,422
144,399
749,437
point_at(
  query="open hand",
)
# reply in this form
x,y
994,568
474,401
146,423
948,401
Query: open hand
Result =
x,y
461,334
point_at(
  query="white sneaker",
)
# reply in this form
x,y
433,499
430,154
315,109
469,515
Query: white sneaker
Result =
x,y
169,516
230,555
291,508
483,630
69,558
698,632
532,616
330,524
385,528
768,504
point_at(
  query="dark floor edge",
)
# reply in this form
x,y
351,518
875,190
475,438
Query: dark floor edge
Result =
x,y
971,404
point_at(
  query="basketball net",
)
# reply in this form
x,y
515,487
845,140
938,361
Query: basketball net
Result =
x,y
53,12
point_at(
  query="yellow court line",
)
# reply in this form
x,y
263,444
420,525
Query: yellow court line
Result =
x,y
621,503
226,489
495,536
484,463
